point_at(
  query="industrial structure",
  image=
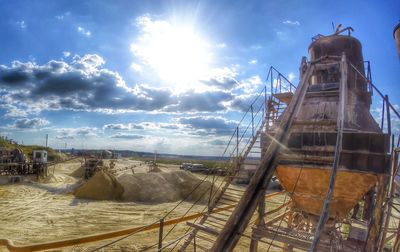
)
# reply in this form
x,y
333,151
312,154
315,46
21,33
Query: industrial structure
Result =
x,y
396,35
15,162
91,166
338,166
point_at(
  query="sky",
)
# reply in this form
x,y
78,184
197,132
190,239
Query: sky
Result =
x,y
166,76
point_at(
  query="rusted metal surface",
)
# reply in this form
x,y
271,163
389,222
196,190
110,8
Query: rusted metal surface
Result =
x,y
396,35
313,135
312,184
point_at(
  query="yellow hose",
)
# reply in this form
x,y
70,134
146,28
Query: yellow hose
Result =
x,y
97,237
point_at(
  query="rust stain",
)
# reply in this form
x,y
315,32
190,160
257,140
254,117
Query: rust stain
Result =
x,y
310,186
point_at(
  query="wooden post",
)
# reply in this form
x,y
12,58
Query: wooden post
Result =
x,y
194,243
383,113
259,222
211,191
160,234
252,121
253,244
237,143
375,222
392,186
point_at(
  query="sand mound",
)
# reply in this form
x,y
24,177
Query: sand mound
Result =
x,y
102,186
56,178
78,173
162,187
155,169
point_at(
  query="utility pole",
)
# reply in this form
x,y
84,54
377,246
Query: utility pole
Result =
x,y
47,140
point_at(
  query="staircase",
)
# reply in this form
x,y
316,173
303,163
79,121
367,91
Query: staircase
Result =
x,y
245,152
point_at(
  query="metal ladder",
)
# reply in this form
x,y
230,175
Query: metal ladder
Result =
x,y
214,228
224,200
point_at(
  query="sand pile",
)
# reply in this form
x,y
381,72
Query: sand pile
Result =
x,y
155,169
78,173
102,186
56,178
158,187
162,187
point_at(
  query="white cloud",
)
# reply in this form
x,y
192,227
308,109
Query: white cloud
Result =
x,y
121,126
84,84
292,76
221,45
73,133
253,61
256,47
84,31
221,78
292,23
66,54
281,35
126,136
21,24
13,111
250,85
209,124
137,67
62,16
26,123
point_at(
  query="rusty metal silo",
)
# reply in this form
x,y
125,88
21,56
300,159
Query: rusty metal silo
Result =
x,y
305,166
396,35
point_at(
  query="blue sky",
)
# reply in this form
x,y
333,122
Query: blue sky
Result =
x,y
163,75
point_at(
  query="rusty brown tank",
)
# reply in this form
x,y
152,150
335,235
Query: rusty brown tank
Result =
x,y
396,35
305,165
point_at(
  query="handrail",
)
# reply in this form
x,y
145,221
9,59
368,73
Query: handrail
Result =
x,y
375,88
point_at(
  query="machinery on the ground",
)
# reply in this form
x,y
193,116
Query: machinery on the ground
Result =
x,y
39,162
91,166
15,162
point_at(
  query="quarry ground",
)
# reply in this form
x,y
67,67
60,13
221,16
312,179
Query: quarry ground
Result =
x,y
33,212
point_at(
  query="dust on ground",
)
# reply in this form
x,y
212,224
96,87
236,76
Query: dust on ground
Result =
x,y
46,211
37,212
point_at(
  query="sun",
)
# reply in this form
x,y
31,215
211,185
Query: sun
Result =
x,y
177,53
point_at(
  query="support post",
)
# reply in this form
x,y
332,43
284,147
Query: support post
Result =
x,y
383,112
194,243
237,142
252,121
272,82
253,244
375,223
260,221
389,125
237,148
160,234
211,191
265,98
392,186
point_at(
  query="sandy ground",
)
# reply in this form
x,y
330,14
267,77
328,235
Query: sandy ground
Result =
x,y
34,212
42,212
